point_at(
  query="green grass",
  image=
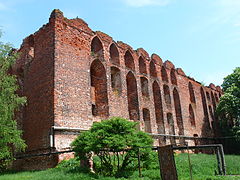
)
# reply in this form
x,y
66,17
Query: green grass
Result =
x,y
203,167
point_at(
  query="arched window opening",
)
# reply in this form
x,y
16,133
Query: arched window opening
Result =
x,y
178,112
173,77
158,105
191,116
208,96
216,97
167,95
205,110
191,93
212,118
171,127
164,74
129,61
142,65
114,54
99,89
116,80
96,48
211,112
158,111
132,95
147,120
153,71
144,86
213,101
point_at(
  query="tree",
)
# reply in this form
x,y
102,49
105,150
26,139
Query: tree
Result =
x,y
10,136
228,111
115,142
229,106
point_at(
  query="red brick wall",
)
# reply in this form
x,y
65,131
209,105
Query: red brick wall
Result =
x,y
37,62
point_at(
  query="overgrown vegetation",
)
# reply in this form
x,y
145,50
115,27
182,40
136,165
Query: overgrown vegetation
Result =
x,y
10,137
115,142
204,166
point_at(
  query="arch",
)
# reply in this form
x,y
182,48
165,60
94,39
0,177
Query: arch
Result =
x,y
132,95
171,127
216,97
213,101
147,120
178,111
99,89
211,113
191,116
208,96
158,105
158,111
142,65
205,110
96,48
164,74
152,69
144,86
114,54
173,77
212,118
116,80
191,93
167,95
129,61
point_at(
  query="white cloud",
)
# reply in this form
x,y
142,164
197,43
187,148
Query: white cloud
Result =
x,y
142,3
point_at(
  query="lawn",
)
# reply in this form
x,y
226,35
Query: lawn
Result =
x,y
203,167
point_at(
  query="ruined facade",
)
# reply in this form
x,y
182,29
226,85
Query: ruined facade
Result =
x,y
73,76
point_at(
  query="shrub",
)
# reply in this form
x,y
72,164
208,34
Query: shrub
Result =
x,y
115,142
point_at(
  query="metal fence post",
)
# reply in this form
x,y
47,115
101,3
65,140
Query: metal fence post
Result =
x,y
222,159
190,165
218,160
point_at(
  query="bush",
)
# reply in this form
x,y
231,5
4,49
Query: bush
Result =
x,y
115,142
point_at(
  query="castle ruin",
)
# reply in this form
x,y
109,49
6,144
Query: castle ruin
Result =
x,y
73,76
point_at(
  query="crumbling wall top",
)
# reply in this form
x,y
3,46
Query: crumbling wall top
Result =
x,y
212,86
56,13
168,64
124,46
157,59
105,37
143,53
180,71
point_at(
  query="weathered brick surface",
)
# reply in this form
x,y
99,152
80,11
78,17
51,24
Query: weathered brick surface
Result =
x,y
57,72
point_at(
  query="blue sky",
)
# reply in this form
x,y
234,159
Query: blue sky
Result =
x,y
200,36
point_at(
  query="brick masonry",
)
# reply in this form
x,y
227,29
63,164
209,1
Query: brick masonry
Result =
x,y
73,76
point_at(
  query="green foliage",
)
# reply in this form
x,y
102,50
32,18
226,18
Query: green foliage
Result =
x,y
228,110
10,137
232,80
115,142
229,106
